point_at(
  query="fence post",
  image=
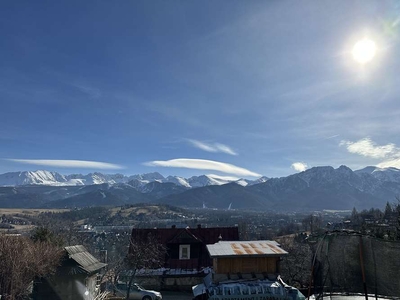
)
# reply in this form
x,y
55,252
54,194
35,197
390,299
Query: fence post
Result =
x,y
362,267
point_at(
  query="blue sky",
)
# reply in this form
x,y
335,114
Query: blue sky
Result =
x,y
236,88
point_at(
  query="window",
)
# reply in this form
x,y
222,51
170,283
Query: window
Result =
x,y
184,251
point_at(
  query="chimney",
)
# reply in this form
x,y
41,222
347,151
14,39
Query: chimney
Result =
x,y
198,226
173,226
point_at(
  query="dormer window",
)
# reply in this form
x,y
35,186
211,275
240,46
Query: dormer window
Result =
x,y
184,251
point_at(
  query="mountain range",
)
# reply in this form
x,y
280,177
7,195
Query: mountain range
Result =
x,y
314,189
42,177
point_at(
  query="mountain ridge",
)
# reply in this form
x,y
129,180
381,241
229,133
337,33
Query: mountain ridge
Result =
x,y
43,177
313,189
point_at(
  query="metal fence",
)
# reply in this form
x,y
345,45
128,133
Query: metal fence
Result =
x,y
349,262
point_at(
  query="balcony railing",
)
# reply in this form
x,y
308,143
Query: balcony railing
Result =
x,y
186,264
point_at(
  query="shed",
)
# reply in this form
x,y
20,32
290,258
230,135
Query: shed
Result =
x,y
75,278
246,257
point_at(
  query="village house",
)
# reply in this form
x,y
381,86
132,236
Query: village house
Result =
x,y
187,247
76,277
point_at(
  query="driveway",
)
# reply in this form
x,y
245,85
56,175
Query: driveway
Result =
x,y
176,295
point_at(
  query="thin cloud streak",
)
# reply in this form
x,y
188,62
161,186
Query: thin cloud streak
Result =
x,y
331,137
203,164
84,164
215,147
230,178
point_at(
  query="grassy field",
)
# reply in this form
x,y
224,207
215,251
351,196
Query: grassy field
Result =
x,y
23,214
140,210
26,211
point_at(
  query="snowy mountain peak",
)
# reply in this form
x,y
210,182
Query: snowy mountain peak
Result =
x,y
311,176
178,181
149,176
31,177
383,174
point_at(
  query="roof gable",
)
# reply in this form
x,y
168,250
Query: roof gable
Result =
x,y
184,236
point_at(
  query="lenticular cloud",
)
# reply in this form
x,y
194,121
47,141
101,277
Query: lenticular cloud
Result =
x,y
202,164
69,163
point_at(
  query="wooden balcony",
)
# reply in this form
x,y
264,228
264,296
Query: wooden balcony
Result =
x,y
188,264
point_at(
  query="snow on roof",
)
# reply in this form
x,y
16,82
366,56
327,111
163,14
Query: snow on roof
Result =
x,y
245,248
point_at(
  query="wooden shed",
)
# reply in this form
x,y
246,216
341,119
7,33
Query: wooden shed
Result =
x,y
246,257
75,278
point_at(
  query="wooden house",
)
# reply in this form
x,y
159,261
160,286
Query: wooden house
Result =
x,y
187,247
76,277
246,258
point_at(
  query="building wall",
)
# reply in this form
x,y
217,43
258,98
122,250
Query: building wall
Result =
x,y
243,265
67,287
198,238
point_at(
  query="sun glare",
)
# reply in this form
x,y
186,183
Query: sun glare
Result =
x,y
364,51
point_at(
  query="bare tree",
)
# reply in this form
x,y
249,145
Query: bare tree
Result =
x,y
144,254
313,222
295,267
21,260
116,256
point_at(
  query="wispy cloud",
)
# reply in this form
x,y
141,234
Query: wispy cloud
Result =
x,y
331,137
202,164
299,166
88,90
214,147
395,162
69,163
366,147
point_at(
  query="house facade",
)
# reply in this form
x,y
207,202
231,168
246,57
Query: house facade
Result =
x,y
187,247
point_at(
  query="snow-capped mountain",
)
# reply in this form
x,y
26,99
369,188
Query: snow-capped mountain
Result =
x,y
96,178
148,177
180,181
247,182
211,179
137,181
30,177
383,174
315,188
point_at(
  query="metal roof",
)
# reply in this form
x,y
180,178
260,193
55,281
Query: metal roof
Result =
x,y
84,259
245,248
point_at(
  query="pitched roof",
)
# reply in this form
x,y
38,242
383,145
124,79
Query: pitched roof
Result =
x,y
171,235
86,261
245,248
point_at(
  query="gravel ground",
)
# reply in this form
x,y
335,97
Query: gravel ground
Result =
x,y
177,296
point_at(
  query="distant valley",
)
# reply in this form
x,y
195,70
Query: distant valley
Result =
x,y
314,189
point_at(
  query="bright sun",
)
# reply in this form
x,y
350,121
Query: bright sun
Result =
x,y
364,51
